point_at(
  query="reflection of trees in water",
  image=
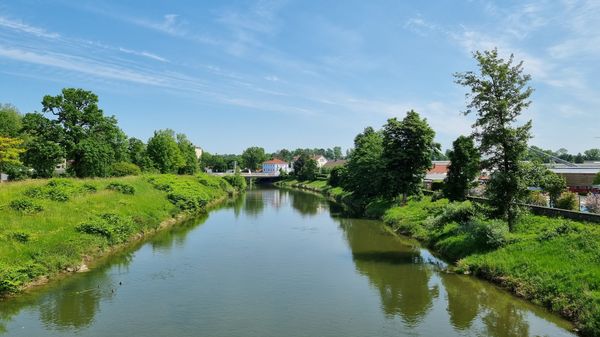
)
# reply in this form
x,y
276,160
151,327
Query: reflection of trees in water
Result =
x,y
395,269
177,235
468,297
76,305
307,203
254,203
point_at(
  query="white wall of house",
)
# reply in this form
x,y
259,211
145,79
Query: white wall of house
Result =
x,y
275,168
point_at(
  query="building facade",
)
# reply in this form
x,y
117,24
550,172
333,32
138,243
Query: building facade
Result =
x,y
274,166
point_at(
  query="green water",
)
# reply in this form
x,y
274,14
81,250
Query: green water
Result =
x,y
274,263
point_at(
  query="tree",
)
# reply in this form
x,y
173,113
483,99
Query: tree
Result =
x,y
365,167
10,149
253,157
10,121
85,128
43,144
498,95
164,152
534,174
592,154
407,150
188,151
138,154
597,179
463,169
283,154
305,168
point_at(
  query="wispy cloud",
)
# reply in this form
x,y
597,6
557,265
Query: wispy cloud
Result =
x,y
143,53
25,28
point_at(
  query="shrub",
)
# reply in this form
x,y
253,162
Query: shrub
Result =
x,y
592,203
56,190
121,187
460,212
237,181
121,169
337,176
114,228
489,234
89,188
537,198
25,206
20,236
568,201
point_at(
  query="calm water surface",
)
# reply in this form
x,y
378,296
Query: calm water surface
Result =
x,y
274,263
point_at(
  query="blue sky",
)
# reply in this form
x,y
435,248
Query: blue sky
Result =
x,y
277,74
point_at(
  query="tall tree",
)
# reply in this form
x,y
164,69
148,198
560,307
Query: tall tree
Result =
x,y
138,154
337,153
90,139
365,167
592,154
188,151
164,152
43,144
305,167
253,157
463,169
408,147
10,149
10,120
498,95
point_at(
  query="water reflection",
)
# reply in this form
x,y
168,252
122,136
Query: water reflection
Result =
x,y
395,270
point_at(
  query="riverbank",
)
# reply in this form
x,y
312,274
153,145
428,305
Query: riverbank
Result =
x,y
50,227
552,262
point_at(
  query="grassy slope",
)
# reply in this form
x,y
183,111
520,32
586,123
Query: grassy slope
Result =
x,y
48,242
551,261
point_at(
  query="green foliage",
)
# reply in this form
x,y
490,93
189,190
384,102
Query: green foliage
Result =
x,y
498,95
43,144
10,150
164,151
408,147
463,170
365,178
10,121
58,190
115,228
253,157
121,187
568,201
138,155
597,179
236,181
305,168
19,236
25,206
535,174
188,152
122,169
537,198
337,176
193,193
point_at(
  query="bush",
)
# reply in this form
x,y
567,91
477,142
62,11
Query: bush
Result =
x,y
489,234
55,190
113,227
25,206
121,169
89,188
337,176
237,181
568,201
20,236
537,198
121,187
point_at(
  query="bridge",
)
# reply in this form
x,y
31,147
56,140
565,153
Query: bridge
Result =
x,y
252,175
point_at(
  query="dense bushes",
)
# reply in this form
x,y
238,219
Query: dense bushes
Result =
x,y
568,201
115,228
236,181
59,190
121,187
25,206
121,169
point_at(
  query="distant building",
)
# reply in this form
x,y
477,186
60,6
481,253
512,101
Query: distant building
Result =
x,y
437,173
275,166
579,177
61,168
198,151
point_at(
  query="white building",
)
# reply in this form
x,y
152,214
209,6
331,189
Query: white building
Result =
x,y
198,151
321,160
275,166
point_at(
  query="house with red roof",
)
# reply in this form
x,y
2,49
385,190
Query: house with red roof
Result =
x,y
274,166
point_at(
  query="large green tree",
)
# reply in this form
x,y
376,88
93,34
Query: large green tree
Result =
x,y
138,154
188,151
10,120
10,149
408,147
499,93
253,157
90,139
365,176
43,139
164,151
464,168
305,167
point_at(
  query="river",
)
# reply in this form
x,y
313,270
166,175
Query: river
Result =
x,y
274,263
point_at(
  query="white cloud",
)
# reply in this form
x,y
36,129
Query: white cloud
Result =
x,y
25,28
143,53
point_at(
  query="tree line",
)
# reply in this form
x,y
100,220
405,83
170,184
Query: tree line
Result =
x,y
392,162
72,129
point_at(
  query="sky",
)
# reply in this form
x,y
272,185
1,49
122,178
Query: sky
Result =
x,y
289,74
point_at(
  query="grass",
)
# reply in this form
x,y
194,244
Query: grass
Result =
x,y
49,226
553,262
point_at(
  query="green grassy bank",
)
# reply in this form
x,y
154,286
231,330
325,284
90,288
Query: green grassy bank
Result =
x,y
52,226
553,262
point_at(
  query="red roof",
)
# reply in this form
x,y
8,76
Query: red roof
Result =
x,y
275,161
438,168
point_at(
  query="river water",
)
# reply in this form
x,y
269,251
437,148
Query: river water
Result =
x,y
274,263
